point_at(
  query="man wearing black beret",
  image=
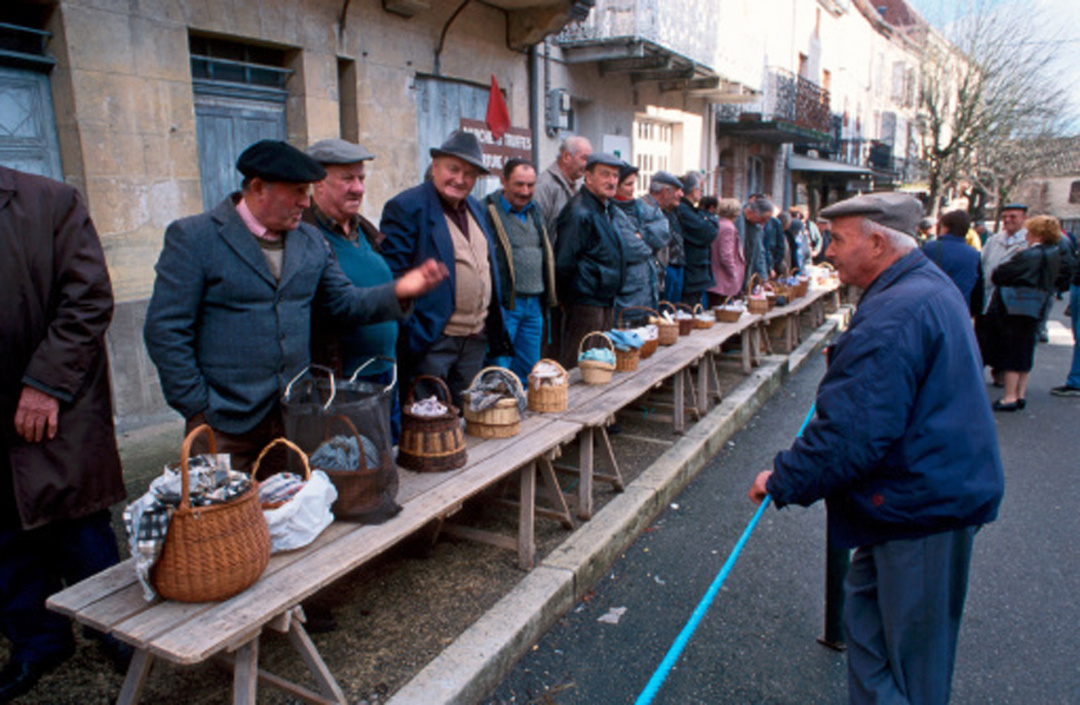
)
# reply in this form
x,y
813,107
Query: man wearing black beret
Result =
x,y
904,452
229,321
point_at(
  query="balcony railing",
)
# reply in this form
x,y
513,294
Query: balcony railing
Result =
x,y
690,31
786,98
878,156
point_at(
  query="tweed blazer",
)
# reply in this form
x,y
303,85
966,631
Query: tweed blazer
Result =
x,y
225,335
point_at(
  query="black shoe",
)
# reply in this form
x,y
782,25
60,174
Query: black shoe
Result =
x,y
19,677
1065,391
1021,404
1002,406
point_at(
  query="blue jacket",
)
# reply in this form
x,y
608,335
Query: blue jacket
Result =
x,y
904,443
698,235
959,260
415,228
225,335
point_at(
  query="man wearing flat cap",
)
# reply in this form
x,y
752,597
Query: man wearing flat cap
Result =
x,y
667,191
229,321
335,213
453,327
903,450
698,235
589,263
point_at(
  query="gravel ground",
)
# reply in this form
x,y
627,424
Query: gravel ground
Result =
x,y
394,615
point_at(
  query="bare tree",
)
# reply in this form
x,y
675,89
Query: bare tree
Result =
x,y
988,101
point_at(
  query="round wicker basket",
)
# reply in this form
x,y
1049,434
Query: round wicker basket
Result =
x,y
595,371
501,420
548,398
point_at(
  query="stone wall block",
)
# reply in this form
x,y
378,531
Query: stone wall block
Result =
x,y
161,49
98,40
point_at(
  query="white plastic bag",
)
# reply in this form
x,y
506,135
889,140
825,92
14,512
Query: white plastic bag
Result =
x,y
299,521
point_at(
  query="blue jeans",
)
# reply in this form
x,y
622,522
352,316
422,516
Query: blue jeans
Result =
x,y
673,281
1074,306
525,328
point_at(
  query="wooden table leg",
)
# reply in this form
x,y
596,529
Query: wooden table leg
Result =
x,y
555,495
703,385
608,454
135,680
585,479
747,354
328,685
527,517
246,673
680,401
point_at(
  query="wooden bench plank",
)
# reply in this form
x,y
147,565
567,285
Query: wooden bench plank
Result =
x,y
273,593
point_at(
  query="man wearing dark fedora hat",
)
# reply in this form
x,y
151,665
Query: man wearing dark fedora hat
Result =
x,y
454,325
229,321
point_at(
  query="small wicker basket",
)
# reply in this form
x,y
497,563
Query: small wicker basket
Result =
x,y
756,306
685,324
650,345
703,320
431,443
627,360
211,553
595,371
723,314
359,491
501,420
548,398
668,330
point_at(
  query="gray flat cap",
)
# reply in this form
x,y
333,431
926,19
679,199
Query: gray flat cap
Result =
x,y
667,179
603,158
335,151
898,211
465,146
691,181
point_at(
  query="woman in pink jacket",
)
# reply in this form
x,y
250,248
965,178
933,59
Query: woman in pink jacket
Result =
x,y
726,257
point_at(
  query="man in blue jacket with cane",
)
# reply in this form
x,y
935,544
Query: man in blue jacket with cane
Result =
x,y
903,450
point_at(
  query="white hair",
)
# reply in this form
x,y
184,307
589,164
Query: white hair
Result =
x,y
573,144
901,242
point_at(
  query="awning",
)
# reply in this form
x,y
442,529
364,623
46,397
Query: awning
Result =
x,y
799,162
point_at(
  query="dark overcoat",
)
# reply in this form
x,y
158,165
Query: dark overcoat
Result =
x,y
57,304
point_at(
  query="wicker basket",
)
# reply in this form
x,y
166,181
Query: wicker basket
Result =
x,y
359,491
270,446
548,398
627,360
431,443
501,420
214,552
702,320
594,371
668,330
726,315
756,306
685,324
802,287
649,346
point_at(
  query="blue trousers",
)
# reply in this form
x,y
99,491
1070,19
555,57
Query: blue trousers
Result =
x,y
525,327
673,281
903,604
1074,305
37,563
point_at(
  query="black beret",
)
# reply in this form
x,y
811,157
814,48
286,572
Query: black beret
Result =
x,y
273,160
897,211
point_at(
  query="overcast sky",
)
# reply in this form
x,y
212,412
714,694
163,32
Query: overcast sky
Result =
x,y
1062,18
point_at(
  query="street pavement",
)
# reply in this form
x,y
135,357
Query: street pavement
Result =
x,y
757,644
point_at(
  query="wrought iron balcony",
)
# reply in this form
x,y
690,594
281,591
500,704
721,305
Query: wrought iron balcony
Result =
x,y
791,109
648,40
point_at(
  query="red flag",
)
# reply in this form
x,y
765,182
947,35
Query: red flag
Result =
x,y
498,117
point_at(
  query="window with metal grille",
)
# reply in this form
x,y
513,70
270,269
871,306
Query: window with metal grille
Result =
x,y
22,41
222,61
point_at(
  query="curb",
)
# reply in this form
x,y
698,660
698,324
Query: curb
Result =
x,y
477,661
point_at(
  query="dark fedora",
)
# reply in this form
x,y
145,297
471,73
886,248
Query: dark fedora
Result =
x,y
465,147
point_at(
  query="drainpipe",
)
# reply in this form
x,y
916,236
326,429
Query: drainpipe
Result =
x,y
534,106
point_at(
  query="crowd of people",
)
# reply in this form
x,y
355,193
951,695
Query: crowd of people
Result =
x,y
286,272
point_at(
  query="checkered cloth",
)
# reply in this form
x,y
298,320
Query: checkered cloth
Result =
x,y
212,481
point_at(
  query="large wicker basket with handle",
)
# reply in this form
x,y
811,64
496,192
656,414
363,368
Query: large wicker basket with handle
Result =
x,y
431,443
500,420
669,330
214,552
756,306
725,313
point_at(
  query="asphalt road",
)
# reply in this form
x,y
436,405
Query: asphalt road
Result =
x,y
1020,641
